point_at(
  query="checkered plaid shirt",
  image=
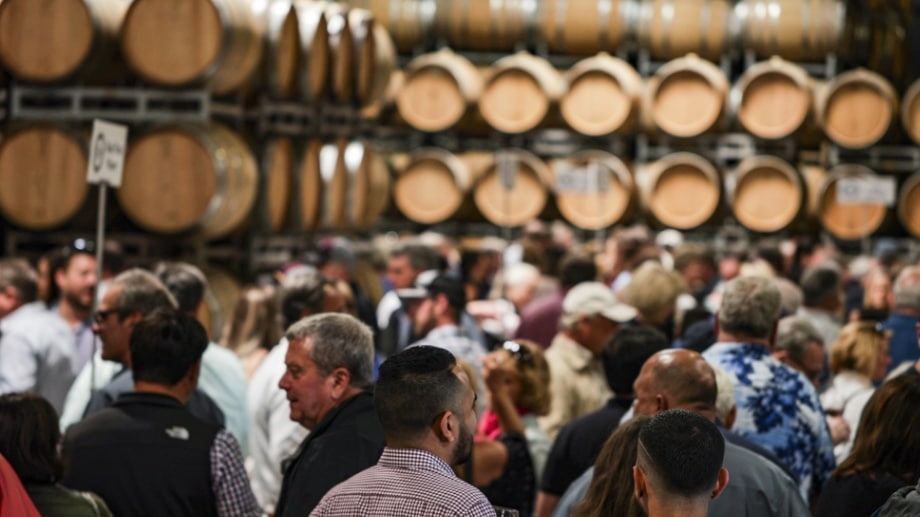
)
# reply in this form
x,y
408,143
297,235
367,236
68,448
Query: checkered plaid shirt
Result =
x,y
232,493
405,482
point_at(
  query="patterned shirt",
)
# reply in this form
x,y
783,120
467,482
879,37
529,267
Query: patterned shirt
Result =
x,y
232,493
779,409
405,482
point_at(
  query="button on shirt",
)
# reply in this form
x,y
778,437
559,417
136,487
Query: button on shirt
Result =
x,y
405,482
779,409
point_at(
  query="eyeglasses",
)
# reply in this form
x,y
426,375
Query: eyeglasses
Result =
x,y
99,316
518,350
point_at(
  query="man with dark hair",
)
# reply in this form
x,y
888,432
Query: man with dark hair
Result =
x,y
130,297
147,454
72,290
330,365
540,318
777,406
678,467
273,436
407,261
222,375
427,410
822,301
36,352
580,441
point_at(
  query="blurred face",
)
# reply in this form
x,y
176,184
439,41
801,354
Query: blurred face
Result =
x,y
697,275
424,316
400,272
729,267
878,292
813,362
463,447
114,332
597,330
882,361
309,392
334,300
77,282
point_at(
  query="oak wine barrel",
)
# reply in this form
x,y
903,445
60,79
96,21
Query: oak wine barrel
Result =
x,y
432,170
277,168
672,28
585,27
439,89
525,200
910,111
686,97
767,195
519,93
611,203
410,22
603,96
799,30
856,108
850,221
775,99
682,190
909,205
341,52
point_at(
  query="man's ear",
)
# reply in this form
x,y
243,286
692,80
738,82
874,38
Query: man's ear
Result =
x,y
721,482
715,323
134,318
662,402
445,427
341,380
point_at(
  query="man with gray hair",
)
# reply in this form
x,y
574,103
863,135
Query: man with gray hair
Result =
x,y
904,318
330,367
778,406
800,345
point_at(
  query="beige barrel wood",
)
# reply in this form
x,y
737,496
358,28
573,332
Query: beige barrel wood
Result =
x,y
432,184
178,42
43,176
910,112
439,88
775,99
409,22
686,97
283,52
49,41
585,27
909,205
219,299
341,53
310,185
794,29
189,178
483,24
525,200
333,175
519,93
594,211
681,190
848,222
672,28
315,65
603,96
856,108
374,73
768,194
368,184
277,173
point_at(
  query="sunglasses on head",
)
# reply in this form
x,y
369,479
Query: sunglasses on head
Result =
x,y
518,350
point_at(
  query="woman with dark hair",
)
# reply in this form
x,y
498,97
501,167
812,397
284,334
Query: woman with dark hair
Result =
x,y
612,491
29,438
885,455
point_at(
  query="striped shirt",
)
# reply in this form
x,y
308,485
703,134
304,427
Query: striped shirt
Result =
x,y
405,482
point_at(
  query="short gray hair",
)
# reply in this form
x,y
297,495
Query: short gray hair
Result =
x,y
141,291
907,288
339,341
750,307
793,335
18,274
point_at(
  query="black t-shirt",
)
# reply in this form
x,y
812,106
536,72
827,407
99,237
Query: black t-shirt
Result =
x,y
856,495
578,444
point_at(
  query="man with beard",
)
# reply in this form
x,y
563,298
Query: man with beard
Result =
x,y
427,409
73,286
330,365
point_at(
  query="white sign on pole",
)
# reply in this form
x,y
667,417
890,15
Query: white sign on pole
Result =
x,y
107,153
879,190
591,178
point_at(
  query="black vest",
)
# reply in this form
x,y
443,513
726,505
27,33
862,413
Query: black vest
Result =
x,y
145,455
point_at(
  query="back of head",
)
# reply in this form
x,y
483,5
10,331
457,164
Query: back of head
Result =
x,y
907,288
681,453
575,269
255,321
165,345
653,291
302,293
793,334
857,348
421,257
888,436
29,436
626,352
339,341
141,292
452,289
184,281
18,274
750,307
691,252
413,388
821,286
687,378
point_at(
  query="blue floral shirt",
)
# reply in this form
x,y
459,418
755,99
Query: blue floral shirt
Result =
x,y
779,409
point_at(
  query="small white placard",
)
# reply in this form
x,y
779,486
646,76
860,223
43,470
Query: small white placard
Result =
x,y
880,190
507,170
583,180
107,153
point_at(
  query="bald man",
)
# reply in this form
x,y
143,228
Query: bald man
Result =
x,y
682,379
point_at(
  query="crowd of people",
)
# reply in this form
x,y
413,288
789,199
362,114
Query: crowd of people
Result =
x,y
647,376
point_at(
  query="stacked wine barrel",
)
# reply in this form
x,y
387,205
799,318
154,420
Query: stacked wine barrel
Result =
x,y
201,179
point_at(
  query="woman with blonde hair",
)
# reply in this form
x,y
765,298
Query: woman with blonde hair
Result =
x,y
858,358
254,328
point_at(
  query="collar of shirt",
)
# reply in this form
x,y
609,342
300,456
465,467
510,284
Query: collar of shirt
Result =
x,y
569,351
413,459
448,330
753,350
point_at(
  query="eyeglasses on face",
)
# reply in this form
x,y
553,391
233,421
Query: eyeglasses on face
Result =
x,y
518,350
100,316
